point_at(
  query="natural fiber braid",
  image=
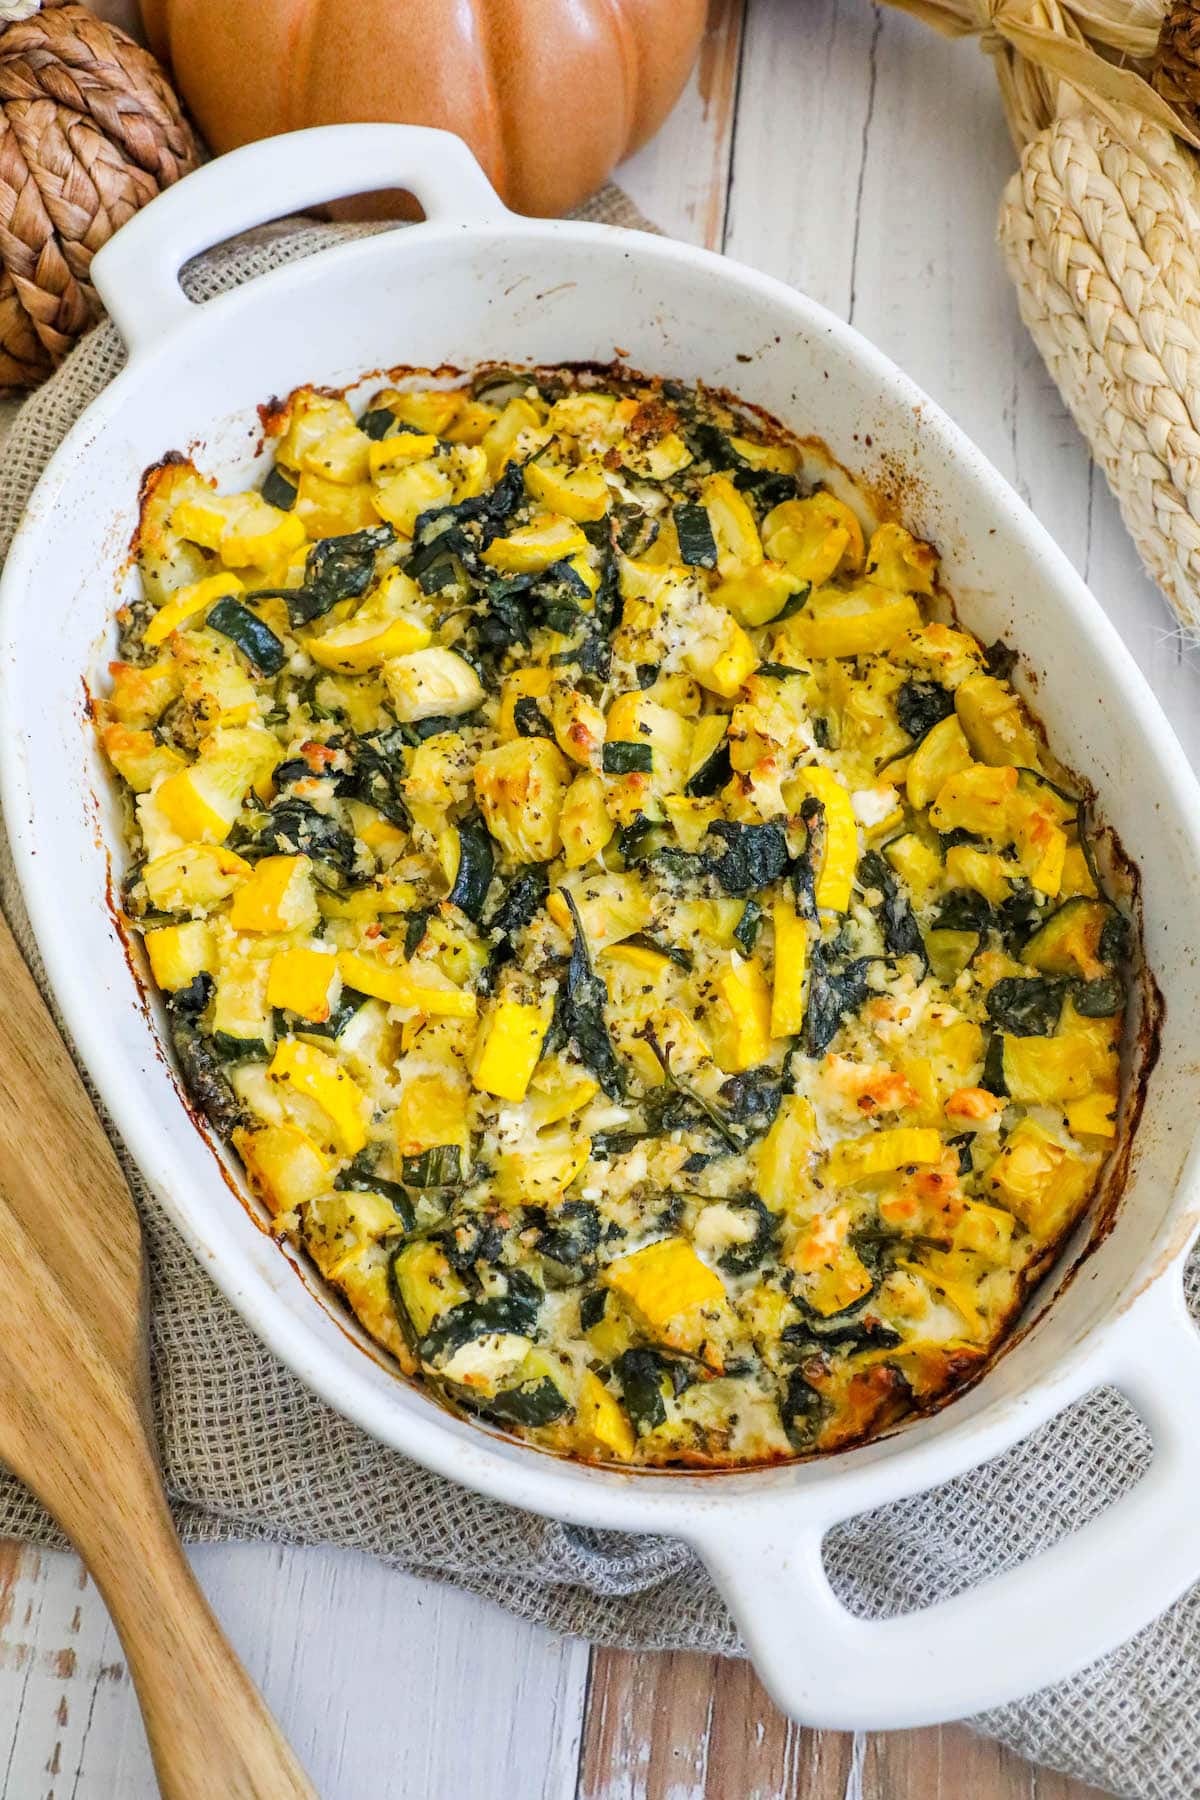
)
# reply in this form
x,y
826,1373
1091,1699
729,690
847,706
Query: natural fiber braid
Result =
x,y
1099,232
89,132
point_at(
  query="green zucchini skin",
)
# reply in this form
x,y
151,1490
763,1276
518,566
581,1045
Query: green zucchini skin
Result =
x,y
278,491
257,642
628,759
438,1167
697,545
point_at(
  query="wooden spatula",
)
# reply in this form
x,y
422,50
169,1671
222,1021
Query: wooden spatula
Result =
x,y
74,1412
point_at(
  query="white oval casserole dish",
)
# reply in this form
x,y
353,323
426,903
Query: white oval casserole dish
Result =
x,y
476,283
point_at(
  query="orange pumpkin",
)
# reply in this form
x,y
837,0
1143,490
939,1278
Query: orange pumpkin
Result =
x,y
550,94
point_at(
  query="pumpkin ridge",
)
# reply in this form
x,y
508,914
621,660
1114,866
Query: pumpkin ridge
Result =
x,y
486,33
622,36
297,68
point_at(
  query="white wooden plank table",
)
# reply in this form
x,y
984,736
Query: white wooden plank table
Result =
x,y
853,153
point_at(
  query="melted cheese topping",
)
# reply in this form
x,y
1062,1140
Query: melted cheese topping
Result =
x,y
640,946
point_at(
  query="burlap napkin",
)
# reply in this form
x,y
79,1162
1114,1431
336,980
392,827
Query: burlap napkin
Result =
x,y
250,1453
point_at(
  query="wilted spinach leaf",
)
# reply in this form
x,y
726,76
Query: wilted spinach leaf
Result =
x,y
756,855
1025,1005
920,705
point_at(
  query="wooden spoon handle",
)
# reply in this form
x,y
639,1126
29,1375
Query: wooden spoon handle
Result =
x,y
211,1734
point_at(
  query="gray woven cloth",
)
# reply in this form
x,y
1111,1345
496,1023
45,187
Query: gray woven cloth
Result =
x,y
249,1453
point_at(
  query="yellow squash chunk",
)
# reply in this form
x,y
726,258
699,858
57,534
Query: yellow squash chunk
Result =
x,y
978,799
662,1282
831,1285
432,410
303,981
785,1156
879,1152
742,1026
900,562
1047,1070
782,458
138,757
916,862
510,1045
432,1111
942,752
194,878
540,1177
318,1077
722,658
1069,942
814,538
401,448
691,819
519,428
1076,877
310,417
202,802
602,1427
521,787
187,603
839,859
858,623
402,495
1095,1115
260,536
533,547
989,874
659,458
584,823
328,509
580,493
996,724
285,1166
791,957
278,896
579,725
984,1231
178,953
1040,1180
385,626
340,454
428,683
140,696
416,985
732,522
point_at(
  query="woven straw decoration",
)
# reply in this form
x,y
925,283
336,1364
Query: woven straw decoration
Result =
x,y
89,132
1101,234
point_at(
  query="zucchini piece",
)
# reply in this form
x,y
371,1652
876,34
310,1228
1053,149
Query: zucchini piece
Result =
x,y
949,952
359,1179
697,545
538,1400
515,1312
709,766
278,491
1070,941
627,759
256,641
476,860
425,1290
648,1379
377,421
438,1167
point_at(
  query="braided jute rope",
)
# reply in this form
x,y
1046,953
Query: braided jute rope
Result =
x,y
89,132
1101,233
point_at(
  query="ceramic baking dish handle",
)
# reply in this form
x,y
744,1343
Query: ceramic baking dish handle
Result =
x,y
1034,1624
136,274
